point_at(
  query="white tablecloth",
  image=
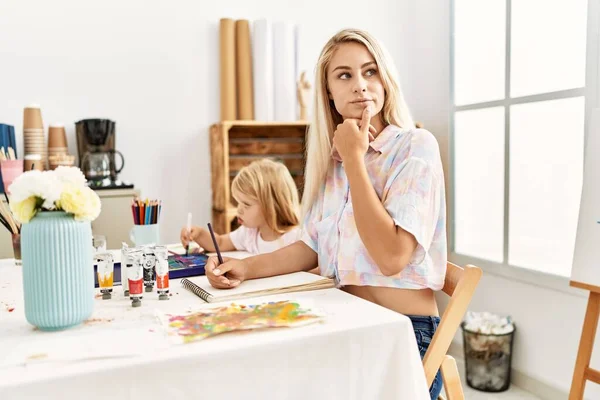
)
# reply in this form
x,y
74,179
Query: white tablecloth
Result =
x,y
361,351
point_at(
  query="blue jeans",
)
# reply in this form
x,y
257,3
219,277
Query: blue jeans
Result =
x,y
424,328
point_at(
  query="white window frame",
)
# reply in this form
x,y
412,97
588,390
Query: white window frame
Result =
x,y
591,91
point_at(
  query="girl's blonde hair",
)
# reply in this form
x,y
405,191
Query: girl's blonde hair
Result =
x,y
326,118
272,186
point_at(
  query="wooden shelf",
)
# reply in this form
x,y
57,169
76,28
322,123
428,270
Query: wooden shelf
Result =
x,y
235,144
263,123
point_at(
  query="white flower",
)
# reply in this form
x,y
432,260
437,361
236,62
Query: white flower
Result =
x,y
43,185
62,189
81,201
70,175
93,205
24,210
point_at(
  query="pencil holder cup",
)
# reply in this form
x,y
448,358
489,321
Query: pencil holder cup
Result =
x,y
145,234
16,243
11,169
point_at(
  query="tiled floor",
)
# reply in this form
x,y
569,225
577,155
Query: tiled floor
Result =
x,y
514,393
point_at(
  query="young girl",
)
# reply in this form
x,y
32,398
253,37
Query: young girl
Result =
x,y
375,219
267,211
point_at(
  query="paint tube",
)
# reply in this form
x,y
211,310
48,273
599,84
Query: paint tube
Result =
x,y
162,272
106,269
135,275
124,258
149,264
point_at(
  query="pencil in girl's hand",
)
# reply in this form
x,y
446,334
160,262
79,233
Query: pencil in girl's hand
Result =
x,y
214,239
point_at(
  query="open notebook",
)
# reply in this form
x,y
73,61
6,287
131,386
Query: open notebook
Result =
x,y
295,282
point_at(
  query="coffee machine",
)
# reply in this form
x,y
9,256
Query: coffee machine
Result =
x,y
97,154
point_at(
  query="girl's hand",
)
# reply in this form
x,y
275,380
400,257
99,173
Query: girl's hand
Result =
x,y
227,275
351,139
190,236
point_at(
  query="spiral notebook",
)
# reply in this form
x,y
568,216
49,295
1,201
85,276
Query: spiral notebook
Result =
x,y
295,282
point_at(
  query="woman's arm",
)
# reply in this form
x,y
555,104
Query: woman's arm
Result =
x,y
390,246
293,258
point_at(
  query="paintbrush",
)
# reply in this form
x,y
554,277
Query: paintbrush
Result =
x,y
17,224
189,231
7,215
6,224
175,254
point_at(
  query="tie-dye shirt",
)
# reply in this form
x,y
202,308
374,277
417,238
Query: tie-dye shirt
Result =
x,y
405,169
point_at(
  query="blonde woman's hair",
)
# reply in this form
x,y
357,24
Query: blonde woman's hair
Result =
x,y
272,186
325,117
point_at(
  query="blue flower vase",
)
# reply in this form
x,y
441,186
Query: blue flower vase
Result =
x,y
58,272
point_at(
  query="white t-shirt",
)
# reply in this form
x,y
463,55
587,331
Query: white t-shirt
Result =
x,y
249,239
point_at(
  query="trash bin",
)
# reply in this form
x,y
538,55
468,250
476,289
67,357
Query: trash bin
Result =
x,y
488,346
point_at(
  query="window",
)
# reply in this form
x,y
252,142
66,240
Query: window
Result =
x,y
517,130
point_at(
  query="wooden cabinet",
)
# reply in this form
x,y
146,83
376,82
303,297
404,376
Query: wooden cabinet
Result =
x,y
235,144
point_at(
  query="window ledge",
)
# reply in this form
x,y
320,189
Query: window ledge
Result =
x,y
523,275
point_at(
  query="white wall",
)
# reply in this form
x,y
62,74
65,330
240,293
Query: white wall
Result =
x,y
548,322
152,66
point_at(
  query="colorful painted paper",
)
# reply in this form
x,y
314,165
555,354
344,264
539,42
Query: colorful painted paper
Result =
x,y
235,317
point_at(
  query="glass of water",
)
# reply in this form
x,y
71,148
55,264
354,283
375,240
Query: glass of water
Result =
x,y
99,243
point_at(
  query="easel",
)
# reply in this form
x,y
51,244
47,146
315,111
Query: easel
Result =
x,y
583,372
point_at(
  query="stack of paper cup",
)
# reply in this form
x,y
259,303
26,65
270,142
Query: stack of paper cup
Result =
x,y
33,136
57,146
31,162
56,160
57,140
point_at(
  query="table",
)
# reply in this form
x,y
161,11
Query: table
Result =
x,y
360,351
